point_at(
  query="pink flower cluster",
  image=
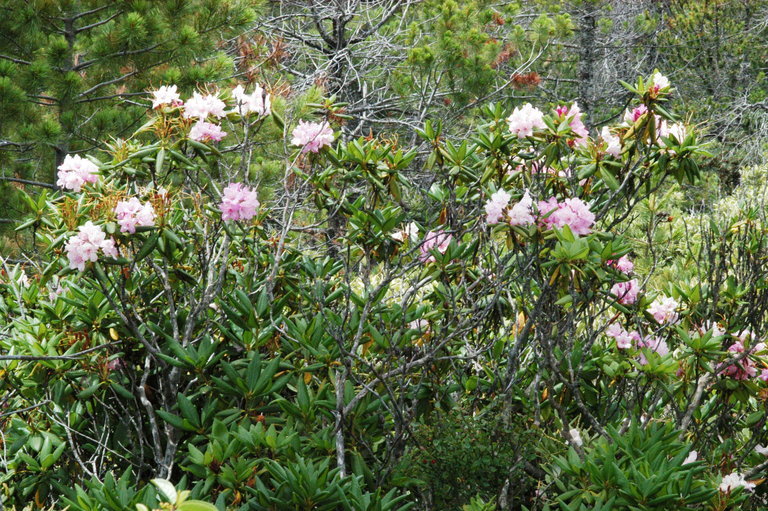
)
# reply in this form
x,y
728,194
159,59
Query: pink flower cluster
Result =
x,y
205,131
623,264
166,95
524,120
664,310
494,208
133,213
75,171
631,116
519,214
623,338
612,142
573,212
239,202
573,115
626,292
85,246
312,136
202,106
258,102
658,82
438,240
745,368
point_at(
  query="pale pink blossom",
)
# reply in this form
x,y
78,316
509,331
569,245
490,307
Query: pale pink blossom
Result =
x,y
631,116
746,335
75,171
655,344
521,214
664,310
624,264
658,82
573,114
133,213
626,292
734,480
312,136
662,130
205,131
85,246
201,107
764,377
623,338
409,232
258,102
678,131
612,142
495,206
166,95
572,212
238,202
717,330
523,121
438,240
575,436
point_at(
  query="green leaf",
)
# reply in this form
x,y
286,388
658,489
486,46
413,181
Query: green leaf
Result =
x,y
166,489
148,246
196,505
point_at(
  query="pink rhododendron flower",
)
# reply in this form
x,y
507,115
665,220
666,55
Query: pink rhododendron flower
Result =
x,y
205,131
623,338
258,102
733,481
659,82
656,344
664,310
746,335
520,214
572,212
202,106
717,330
631,116
764,376
678,131
626,292
238,202
409,232
613,142
575,122
312,136
75,171
166,95
524,120
745,368
132,213
624,264
85,246
438,240
494,208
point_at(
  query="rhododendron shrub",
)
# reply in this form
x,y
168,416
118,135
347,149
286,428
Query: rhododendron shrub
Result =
x,y
188,323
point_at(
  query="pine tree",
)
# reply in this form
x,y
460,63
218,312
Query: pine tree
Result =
x,y
74,73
